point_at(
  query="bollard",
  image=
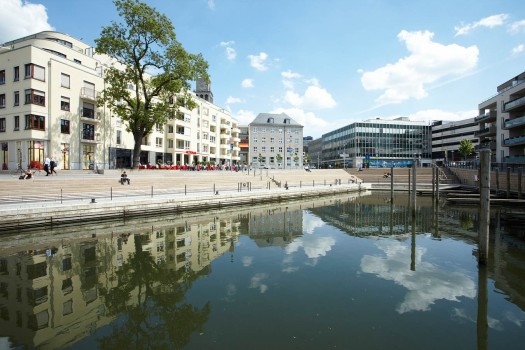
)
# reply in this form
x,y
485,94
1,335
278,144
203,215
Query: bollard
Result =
x,y
391,184
508,182
520,173
414,182
484,207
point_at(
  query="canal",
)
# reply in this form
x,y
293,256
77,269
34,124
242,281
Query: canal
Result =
x,y
345,272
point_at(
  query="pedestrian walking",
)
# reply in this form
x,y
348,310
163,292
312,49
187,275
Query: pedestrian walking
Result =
x,y
52,166
47,164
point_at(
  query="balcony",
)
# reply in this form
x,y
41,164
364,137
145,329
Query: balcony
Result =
x,y
514,141
515,159
515,122
88,94
516,104
90,116
489,116
490,131
90,138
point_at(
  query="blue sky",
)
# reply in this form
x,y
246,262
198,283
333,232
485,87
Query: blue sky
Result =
x,y
326,63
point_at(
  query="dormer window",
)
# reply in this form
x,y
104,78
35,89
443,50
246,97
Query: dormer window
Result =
x,y
286,121
270,120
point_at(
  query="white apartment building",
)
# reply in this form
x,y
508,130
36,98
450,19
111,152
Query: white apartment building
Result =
x,y
49,83
275,141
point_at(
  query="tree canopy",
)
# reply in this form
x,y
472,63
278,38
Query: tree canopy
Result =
x,y
152,76
466,148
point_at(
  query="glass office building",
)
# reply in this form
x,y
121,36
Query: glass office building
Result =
x,y
379,143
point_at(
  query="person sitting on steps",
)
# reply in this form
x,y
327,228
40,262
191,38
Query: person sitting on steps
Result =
x,y
28,174
124,178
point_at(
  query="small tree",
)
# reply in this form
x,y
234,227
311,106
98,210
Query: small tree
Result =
x,y
279,159
260,159
296,159
145,42
307,158
466,148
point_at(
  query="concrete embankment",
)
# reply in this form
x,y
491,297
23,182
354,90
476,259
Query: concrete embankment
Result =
x,y
73,197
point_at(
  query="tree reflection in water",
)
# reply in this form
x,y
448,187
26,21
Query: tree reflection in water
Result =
x,y
149,301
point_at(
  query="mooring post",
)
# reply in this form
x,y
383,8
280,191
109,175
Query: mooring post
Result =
x,y
433,179
497,181
484,207
508,182
520,173
437,185
409,183
392,184
414,167
482,317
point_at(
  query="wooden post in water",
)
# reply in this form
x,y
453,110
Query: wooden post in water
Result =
x,y
508,182
437,185
414,167
520,173
392,184
497,181
484,206
482,319
433,179
408,183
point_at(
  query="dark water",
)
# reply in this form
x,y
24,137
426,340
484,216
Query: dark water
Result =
x,y
340,273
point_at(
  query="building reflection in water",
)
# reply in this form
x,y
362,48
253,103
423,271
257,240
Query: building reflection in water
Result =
x,y
54,294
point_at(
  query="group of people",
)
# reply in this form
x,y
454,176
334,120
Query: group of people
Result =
x,y
49,166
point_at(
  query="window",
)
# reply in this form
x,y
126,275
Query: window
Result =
x,y
35,97
2,100
17,98
255,139
2,124
255,148
119,137
36,270
67,307
280,150
35,72
2,76
88,110
170,143
17,122
65,80
170,129
254,129
158,142
16,72
77,61
187,144
180,130
264,149
272,149
35,122
88,132
64,126
66,264
64,103
272,139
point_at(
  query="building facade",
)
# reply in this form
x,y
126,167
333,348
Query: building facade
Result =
x,y
501,121
378,143
447,136
275,141
49,84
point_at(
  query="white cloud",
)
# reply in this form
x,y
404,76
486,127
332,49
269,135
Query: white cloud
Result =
x,y
426,285
211,4
247,261
517,27
314,97
314,245
290,75
244,117
231,54
428,62
311,222
489,22
313,125
231,100
438,114
259,61
257,282
247,83
518,49
20,18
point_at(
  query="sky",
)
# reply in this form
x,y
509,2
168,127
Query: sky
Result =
x,y
325,63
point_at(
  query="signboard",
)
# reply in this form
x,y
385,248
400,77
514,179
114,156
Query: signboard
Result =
x,y
191,152
344,155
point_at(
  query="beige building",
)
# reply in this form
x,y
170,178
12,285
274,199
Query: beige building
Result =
x,y
501,122
49,84
275,141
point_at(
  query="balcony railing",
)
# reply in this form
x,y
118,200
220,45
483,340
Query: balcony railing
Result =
x,y
515,159
88,94
514,103
484,117
491,130
511,123
512,141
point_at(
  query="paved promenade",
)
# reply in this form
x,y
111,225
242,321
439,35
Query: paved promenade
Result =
x,y
82,195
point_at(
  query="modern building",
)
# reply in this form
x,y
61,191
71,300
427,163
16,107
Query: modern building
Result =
x,y
501,122
275,141
49,85
447,136
379,143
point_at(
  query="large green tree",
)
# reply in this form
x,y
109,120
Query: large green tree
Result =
x,y
153,63
466,148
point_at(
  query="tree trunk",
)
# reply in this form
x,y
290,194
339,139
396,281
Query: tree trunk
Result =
x,y
137,136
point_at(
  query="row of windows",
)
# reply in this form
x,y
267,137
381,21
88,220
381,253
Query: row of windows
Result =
x,y
272,140
32,121
272,149
272,130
